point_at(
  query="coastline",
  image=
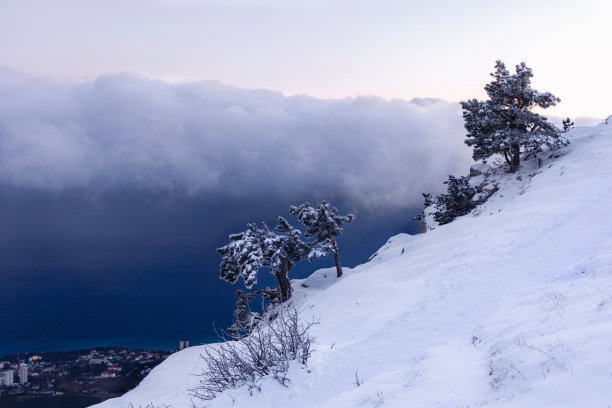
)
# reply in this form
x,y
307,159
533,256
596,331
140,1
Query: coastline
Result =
x,y
74,376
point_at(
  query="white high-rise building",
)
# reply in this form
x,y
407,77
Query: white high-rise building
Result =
x,y
23,374
6,377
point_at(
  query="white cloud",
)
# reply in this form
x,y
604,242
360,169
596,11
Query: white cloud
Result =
x,y
125,132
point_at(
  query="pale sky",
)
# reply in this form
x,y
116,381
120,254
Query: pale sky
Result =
x,y
337,48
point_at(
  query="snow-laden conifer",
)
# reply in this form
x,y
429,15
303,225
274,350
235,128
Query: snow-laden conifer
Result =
x,y
567,125
244,255
244,318
456,202
506,123
283,250
427,201
325,224
257,248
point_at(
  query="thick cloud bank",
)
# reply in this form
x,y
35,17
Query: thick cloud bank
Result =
x,y
122,132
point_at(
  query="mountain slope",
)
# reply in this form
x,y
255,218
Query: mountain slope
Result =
x,y
509,306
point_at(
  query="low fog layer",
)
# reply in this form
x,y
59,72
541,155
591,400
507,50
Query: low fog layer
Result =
x,y
120,132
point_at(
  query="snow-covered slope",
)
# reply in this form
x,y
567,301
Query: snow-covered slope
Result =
x,y
510,306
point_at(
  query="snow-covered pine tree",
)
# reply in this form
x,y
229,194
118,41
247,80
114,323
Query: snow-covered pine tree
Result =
x,y
283,250
244,255
244,319
258,248
567,125
506,123
456,202
325,224
426,203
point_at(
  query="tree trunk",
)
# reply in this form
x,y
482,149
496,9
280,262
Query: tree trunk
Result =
x,y
516,157
336,257
283,281
507,158
338,266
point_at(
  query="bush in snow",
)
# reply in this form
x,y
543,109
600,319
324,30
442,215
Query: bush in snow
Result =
x,y
505,123
456,202
267,351
325,224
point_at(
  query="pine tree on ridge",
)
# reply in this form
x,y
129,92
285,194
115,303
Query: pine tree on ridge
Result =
x,y
324,223
505,122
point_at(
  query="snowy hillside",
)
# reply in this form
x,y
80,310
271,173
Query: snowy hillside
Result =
x,y
510,306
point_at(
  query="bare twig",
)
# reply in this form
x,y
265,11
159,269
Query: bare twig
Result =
x,y
358,381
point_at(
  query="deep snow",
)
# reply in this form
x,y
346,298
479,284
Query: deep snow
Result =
x,y
509,306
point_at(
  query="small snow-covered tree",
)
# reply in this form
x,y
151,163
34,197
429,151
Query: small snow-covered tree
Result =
x,y
456,202
325,224
426,203
505,122
567,125
421,217
244,318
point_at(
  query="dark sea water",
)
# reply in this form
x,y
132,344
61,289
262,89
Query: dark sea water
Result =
x,y
80,270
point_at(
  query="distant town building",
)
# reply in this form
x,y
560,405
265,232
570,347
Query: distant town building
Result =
x,y
23,374
6,378
108,374
96,360
183,344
